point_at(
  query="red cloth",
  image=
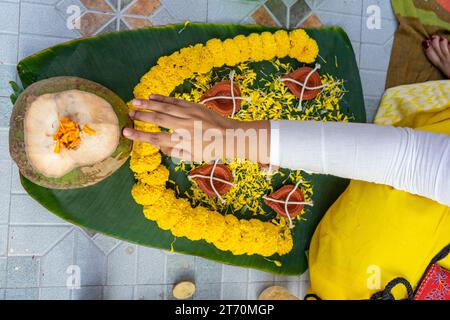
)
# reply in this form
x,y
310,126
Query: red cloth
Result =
x,y
435,285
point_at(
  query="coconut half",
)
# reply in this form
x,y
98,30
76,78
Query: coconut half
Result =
x,y
93,149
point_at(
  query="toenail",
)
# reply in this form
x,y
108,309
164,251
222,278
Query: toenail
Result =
x,y
443,39
426,44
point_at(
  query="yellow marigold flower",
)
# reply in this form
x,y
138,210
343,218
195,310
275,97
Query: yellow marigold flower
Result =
x,y
156,177
183,227
183,73
146,195
164,79
215,46
231,52
285,243
216,227
309,52
165,211
143,149
145,163
156,74
176,59
153,212
255,235
298,38
192,57
165,62
241,42
193,224
172,216
157,77
189,223
145,126
269,45
230,240
158,210
283,43
232,237
256,47
206,61
141,91
173,80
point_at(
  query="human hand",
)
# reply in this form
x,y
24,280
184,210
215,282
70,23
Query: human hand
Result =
x,y
199,134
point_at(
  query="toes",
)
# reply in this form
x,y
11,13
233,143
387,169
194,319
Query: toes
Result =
x,y
436,45
443,42
431,53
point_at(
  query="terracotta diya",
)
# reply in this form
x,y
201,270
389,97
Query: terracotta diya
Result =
x,y
201,176
222,106
300,75
281,195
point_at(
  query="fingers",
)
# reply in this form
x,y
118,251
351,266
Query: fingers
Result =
x,y
167,105
171,100
161,107
162,141
159,119
158,139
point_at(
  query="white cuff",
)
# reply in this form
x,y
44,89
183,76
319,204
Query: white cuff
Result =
x,y
274,143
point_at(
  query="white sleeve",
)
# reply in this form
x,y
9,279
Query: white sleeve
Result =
x,y
411,160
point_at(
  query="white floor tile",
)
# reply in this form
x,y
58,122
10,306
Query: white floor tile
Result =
x,y
229,11
8,49
43,20
122,265
9,17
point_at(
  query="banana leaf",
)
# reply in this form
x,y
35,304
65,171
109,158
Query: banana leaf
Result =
x,y
117,61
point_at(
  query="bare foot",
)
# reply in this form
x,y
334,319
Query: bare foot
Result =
x,y
437,50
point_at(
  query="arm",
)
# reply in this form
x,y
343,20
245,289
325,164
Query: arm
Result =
x,y
414,161
406,159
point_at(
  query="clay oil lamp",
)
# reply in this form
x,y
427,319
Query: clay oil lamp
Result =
x,y
214,179
277,201
303,77
220,99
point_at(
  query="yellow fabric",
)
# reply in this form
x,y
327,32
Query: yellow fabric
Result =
x,y
374,228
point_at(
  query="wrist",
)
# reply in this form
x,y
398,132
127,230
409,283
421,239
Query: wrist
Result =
x,y
249,140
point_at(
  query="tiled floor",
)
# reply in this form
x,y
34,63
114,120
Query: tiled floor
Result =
x,y
39,253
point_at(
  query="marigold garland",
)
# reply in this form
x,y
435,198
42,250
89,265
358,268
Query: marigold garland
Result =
x,y
172,70
161,205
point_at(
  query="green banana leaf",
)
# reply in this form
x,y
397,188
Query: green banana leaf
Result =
x,y
117,61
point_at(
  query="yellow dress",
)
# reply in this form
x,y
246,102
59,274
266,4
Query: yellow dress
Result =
x,y
374,233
